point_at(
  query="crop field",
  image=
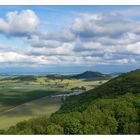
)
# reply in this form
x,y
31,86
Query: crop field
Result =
x,y
24,99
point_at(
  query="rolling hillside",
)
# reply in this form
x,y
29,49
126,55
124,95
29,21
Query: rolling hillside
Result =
x,y
125,83
112,108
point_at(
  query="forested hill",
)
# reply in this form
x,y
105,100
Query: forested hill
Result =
x,y
112,108
125,83
92,75
89,75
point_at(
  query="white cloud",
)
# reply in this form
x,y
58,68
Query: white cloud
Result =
x,y
105,39
133,48
38,42
50,39
63,49
19,23
105,24
16,58
125,61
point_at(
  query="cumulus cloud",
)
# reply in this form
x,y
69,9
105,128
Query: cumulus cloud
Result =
x,y
65,36
110,38
105,24
65,49
11,58
19,23
50,39
38,42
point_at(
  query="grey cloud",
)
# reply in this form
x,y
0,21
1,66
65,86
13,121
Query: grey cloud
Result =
x,y
38,42
64,36
50,39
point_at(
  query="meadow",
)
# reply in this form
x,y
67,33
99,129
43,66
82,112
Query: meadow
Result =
x,y
22,99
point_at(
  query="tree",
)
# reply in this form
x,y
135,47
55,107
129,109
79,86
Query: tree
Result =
x,y
72,126
55,129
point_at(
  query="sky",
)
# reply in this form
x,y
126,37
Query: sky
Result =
x,y
69,38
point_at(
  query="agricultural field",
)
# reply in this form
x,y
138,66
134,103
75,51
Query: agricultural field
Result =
x,y
43,106
23,98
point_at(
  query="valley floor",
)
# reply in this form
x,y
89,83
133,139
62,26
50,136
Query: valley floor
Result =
x,y
44,106
21,100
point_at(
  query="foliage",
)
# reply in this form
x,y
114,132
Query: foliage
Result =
x,y
128,82
55,129
120,115
112,108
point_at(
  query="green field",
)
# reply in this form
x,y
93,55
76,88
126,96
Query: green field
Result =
x,y
13,93
21,99
44,106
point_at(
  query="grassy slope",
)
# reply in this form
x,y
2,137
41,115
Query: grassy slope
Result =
x,y
44,106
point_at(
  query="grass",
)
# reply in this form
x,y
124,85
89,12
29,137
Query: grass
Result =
x,y
21,100
44,106
13,97
70,83
13,93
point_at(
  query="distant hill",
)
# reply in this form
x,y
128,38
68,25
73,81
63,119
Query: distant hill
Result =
x,y
90,75
87,75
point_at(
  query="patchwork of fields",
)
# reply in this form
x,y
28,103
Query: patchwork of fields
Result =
x,y
24,99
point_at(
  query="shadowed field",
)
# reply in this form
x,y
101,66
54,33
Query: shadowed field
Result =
x,y
44,106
